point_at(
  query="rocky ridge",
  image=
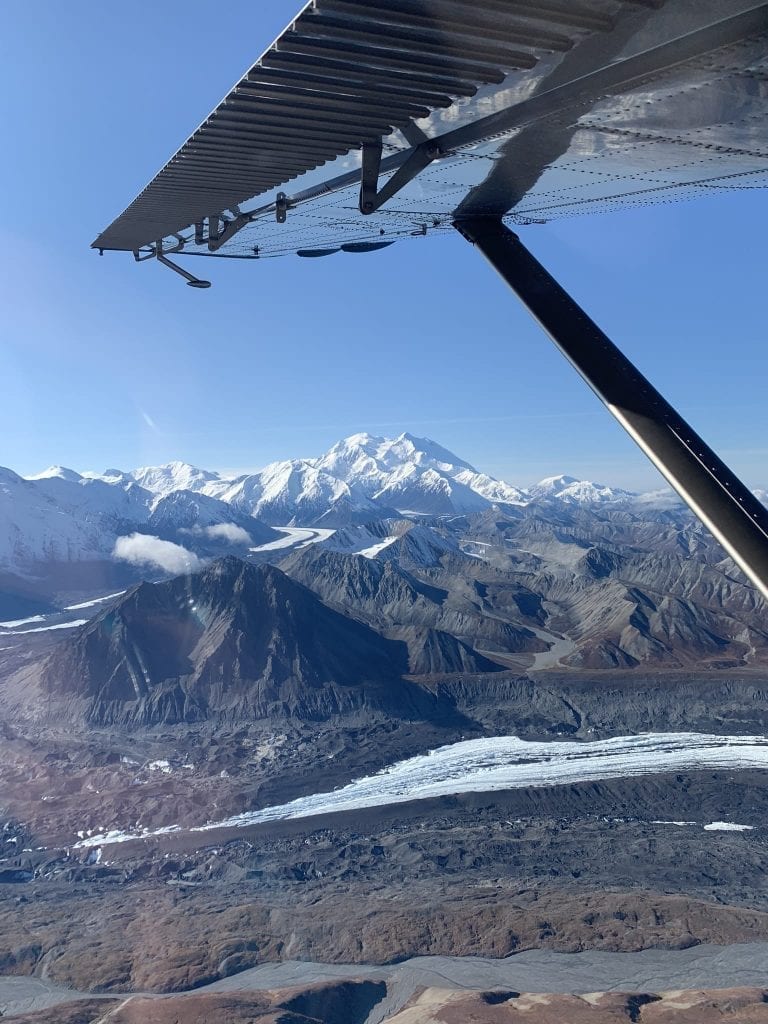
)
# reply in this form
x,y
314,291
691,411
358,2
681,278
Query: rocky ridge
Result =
x,y
236,641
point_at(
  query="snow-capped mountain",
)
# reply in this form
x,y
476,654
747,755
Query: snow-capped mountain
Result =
x,y
62,515
297,491
361,477
414,474
577,492
175,476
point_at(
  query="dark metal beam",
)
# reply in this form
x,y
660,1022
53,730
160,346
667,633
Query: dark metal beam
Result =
x,y
712,491
436,65
371,196
351,85
439,36
333,100
192,281
488,22
409,78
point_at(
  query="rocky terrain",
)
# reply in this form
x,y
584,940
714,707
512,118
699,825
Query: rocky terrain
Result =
x,y
566,573
357,1002
255,673
623,864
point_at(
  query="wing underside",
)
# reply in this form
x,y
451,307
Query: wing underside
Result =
x,y
541,109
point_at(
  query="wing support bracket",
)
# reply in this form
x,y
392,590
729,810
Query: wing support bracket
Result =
x,y
230,228
192,281
282,204
372,198
712,491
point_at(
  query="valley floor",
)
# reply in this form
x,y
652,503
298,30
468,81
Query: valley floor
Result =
x,y
593,863
703,967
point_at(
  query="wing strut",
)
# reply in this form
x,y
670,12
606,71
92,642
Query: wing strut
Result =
x,y
712,491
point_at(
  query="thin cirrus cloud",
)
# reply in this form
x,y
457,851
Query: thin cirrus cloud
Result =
x,y
144,549
149,421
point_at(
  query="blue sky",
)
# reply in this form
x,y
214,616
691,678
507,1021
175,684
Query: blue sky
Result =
x,y
105,363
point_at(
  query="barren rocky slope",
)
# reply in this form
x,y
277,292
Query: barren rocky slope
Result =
x,y
234,640
246,685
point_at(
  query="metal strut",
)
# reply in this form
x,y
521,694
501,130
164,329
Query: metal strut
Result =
x,y
371,196
192,281
713,492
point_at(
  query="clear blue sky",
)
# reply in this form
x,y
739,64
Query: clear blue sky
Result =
x,y
105,363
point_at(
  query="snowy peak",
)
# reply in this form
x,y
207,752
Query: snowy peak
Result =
x,y
422,451
361,475
63,515
553,484
362,453
409,473
173,476
577,492
286,493
57,472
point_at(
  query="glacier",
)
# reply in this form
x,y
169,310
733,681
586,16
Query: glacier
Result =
x,y
505,762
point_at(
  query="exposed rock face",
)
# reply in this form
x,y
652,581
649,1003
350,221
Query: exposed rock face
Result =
x,y
444,1006
365,586
627,587
336,1002
82,1011
234,640
435,652
397,601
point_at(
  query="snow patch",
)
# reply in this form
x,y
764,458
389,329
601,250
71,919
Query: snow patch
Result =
x,y
375,549
45,629
90,604
116,836
22,622
662,822
506,762
299,537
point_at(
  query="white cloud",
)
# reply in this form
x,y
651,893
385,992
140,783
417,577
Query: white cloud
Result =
x,y
221,531
228,531
142,549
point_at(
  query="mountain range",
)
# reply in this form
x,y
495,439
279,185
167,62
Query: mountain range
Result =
x,y
60,515
469,573
244,665
418,620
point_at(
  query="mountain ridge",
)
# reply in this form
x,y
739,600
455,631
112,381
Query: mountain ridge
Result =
x,y
238,641
60,515
361,466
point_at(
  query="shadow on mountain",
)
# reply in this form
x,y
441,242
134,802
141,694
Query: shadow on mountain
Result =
x,y
235,641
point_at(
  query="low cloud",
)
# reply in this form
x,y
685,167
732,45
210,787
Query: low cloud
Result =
x,y
229,532
142,549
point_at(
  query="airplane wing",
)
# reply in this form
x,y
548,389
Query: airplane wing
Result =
x,y
399,118
526,109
